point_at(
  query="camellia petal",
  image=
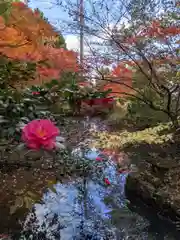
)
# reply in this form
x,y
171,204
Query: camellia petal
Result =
x,y
33,145
49,145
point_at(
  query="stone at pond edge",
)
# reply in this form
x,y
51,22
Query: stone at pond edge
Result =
x,y
160,193
20,147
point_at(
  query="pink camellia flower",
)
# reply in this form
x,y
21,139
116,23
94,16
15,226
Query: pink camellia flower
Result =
x,y
35,93
40,133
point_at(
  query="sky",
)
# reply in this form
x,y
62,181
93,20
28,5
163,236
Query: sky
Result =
x,y
54,15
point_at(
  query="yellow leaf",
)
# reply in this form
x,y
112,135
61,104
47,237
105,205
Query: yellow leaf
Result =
x,y
28,202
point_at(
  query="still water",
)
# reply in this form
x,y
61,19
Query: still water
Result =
x,y
83,209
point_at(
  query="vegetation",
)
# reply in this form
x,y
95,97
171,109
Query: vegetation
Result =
x,y
144,50
154,135
135,67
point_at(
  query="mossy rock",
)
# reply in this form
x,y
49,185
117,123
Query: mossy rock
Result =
x,y
164,163
161,193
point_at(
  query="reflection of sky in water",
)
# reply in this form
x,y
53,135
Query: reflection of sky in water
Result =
x,y
72,208
92,154
94,125
90,216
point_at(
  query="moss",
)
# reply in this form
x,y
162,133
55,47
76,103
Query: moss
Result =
x,y
155,135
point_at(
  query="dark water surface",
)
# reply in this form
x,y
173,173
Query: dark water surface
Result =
x,y
83,209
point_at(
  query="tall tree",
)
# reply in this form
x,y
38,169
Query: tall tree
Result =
x,y
144,34
26,37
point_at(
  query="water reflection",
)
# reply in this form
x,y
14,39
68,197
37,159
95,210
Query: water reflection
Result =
x,y
81,207
73,209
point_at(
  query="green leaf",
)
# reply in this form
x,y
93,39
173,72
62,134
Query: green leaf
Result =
x,y
11,131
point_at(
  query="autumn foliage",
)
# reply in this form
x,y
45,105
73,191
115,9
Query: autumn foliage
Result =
x,y
121,78
22,37
154,30
151,49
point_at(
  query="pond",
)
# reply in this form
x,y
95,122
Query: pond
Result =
x,y
84,208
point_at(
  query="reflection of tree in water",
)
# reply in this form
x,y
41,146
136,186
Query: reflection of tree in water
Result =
x,y
92,226
36,231
76,210
80,220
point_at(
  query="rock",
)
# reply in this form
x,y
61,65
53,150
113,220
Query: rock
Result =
x,y
164,163
122,160
158,189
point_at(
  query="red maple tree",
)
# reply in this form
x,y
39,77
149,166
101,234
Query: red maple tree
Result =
x,y
22,38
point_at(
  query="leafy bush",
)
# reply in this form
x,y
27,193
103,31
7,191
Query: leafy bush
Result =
x,y
17,109
56,97
136,113
119,112
71,92
14,73
143,116
155,135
